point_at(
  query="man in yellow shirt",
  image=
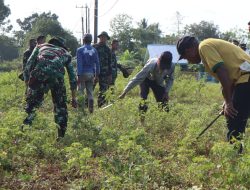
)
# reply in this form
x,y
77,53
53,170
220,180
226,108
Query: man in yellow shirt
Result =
x,y
231,66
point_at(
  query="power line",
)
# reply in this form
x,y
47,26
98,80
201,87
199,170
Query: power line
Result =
x,y
109,8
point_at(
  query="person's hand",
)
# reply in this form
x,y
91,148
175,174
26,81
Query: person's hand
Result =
x,y
74,103
122,95
229,110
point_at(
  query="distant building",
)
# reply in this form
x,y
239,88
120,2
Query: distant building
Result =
x,y
155,50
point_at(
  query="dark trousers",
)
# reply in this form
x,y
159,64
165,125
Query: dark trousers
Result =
x,y
241,101
158,91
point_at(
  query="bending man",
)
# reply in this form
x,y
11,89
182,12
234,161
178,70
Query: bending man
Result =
x,y
157,74
45,71
231,66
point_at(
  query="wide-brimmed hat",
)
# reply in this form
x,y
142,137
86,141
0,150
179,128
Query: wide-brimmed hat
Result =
x,y
104,34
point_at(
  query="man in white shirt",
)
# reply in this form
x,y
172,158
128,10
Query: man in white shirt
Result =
x,y
157,74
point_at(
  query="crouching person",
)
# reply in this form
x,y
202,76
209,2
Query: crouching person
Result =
x,y
157,74
45,71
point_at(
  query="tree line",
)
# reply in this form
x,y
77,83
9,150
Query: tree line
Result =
x,y
133,39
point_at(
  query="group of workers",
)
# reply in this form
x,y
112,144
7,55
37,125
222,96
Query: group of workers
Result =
x,y
44,71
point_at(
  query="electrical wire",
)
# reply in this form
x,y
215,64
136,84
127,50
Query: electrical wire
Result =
x,y
109,9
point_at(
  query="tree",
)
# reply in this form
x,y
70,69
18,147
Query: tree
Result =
x,y
146,34
235,34
121,28
170,39
27,24
202,30
4,13
46,24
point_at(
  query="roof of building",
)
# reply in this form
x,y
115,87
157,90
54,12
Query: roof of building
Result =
x,y
155,50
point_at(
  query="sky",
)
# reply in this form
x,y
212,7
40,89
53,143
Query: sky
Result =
x,y
224,13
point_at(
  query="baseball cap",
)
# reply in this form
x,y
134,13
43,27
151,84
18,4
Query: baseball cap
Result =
x,y
103,33
184,43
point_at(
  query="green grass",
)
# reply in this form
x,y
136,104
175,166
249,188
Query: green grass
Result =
x,y
111,149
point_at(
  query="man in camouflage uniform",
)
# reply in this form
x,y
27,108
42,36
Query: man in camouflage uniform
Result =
x,y
115,65
45,71
105,76
28,52
26,55
114,48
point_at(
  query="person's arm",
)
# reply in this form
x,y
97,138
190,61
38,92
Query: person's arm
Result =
x,y
109,66
138,79
79,61
227,91
170,81
109,61
30,65
72,80
97,64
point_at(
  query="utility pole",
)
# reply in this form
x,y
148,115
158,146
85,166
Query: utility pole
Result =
x,y
88,21
86,18
81,7
95,21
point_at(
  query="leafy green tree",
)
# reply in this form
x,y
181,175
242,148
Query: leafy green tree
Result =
x,y
202,30
121,28
44,24
27,24
146,34
4,13
170,39
235,33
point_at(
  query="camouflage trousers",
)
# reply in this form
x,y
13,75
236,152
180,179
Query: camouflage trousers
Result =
x,y
103,87
35,98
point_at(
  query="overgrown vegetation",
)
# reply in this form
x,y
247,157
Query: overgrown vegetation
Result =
x,y
112,150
